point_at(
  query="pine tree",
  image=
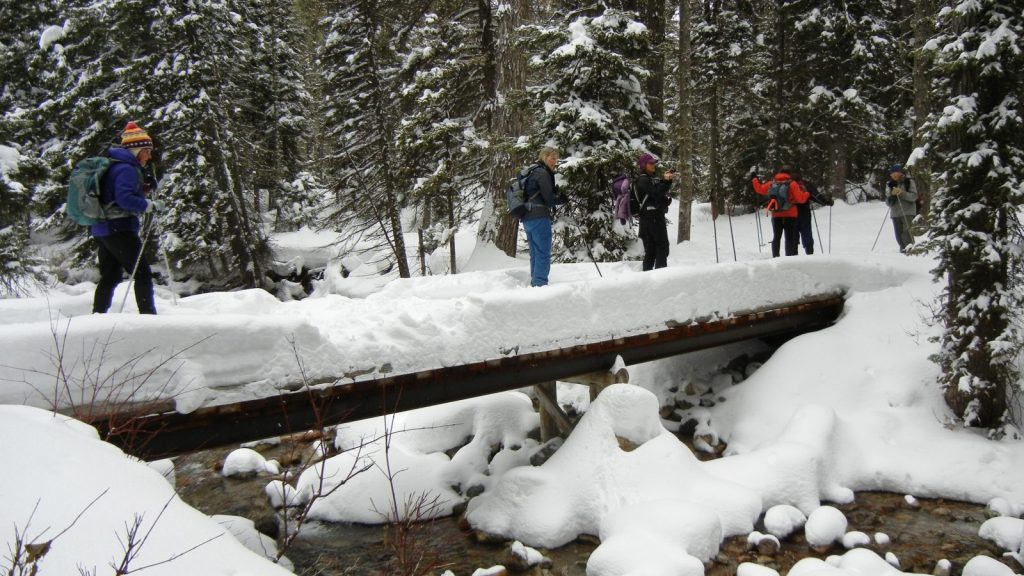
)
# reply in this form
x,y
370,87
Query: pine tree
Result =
x,y
25,38
195,86
840,68
593,108
723,40
272,115
978,140
14,268
360,66
437,142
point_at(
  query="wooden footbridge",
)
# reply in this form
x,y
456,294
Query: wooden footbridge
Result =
x,y
154,432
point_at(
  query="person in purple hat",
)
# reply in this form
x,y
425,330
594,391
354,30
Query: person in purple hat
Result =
x,y
652,194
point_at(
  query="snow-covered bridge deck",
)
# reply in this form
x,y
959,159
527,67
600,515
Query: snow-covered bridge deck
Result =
x,y
219,349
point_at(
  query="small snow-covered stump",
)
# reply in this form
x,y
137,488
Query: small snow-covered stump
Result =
x,y
942,568
522,557
765,544
782,520
245,532
1002,507
892,560
882,539
281,495
911,501
166,469
824,526
855,539
751,569
492,571
248,462
1005,532
985,566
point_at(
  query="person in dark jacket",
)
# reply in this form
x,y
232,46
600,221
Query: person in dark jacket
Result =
x,y
541,199
901,196
804,223
652,193
784,223
118,246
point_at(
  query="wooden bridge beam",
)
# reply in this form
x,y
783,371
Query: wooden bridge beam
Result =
x,y
157,435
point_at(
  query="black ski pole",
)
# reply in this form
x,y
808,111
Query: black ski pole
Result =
x,y
583,238
760,235
732,236
887,209
146,230
830,228
815,217
714,227
160,245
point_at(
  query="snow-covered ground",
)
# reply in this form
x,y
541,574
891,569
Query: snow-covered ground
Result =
x,y
853,407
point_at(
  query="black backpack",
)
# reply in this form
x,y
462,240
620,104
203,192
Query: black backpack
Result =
x,y
516,194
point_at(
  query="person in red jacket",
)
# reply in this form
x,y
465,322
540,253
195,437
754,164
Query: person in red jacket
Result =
x,y
784,222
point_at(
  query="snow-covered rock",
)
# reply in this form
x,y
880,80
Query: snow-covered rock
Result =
x,y
825,526
782,520
248,461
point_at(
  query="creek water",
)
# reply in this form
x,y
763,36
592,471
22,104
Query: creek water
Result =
x,y
919,535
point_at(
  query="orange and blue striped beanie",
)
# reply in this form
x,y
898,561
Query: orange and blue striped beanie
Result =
x,y
135,137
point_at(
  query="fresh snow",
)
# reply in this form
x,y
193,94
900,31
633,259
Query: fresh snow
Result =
x,y
853,407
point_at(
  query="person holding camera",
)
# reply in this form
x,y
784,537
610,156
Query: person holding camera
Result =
x,y
901,196
652,194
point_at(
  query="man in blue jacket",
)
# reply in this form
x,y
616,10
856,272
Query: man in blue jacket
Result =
x,y
119,248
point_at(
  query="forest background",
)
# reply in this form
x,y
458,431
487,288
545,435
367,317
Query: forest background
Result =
x,y
380,119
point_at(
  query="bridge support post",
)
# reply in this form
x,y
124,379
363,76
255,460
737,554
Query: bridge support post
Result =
x,y
553,420
598,381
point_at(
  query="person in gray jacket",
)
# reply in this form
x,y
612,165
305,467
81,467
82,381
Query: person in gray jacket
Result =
x,y
901,196
541,198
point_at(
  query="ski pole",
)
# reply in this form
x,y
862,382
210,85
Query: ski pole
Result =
x,y
135,268
815,218
830,229
160,245
757,229
714,227
167,265
583,238
887,209
732,236
906,227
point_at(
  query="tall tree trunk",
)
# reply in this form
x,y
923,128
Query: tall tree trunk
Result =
x,y
684,132
247,246
451,228
505,62
654,18
924,29
839,167
780,78
715,157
